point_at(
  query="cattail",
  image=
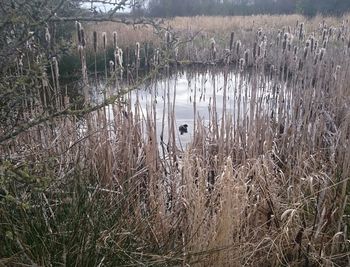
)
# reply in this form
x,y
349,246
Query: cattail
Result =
x,y
137,51
301,65
272,71
324,34
78,24
95,41
82,34
259,32
325,42
316,59
119,57
238,46
168,38
349,44
301,31
312,43
316,45
241,64
254,50
322,53
306,51
47,36
231,40
212,43
259,51
246,57
115,40
289,46
104,40
284,45
278,38
295,50
330,32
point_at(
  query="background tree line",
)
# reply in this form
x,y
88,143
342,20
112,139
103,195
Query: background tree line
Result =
x,y
168,8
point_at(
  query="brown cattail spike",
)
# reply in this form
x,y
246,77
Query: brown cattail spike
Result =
x,y
231,40
95,41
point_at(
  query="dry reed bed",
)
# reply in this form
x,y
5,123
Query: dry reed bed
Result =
x,y
268,188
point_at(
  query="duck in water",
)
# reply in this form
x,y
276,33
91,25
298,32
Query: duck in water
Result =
x,y
183,129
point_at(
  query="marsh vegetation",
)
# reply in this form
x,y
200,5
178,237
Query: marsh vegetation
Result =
x,y
102,176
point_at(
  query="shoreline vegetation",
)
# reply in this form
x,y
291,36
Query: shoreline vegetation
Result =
x,y
92,186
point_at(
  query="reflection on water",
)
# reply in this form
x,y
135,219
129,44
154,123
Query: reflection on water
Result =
x,y
209,97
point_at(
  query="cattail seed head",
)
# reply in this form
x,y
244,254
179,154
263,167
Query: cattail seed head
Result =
x,y
95,41
119,57
295,50
115,40
316,58
241,64
278,38
284,45
312,43
82,34
324,35
212,43
47,35
325,42
78,25
231,40
238,46
306,51
301,31
254,50
322,53
104,40
137,51
246,57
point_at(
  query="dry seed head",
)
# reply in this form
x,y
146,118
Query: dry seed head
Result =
x,y
301,31
330,32
312,43
306,51
104,40
325,42
120,57
295,50
322,53
254,49
238,46
168,37
246,57
284,45
115,40
47,35
324,35
231,40
278,38
137,51
78,25
259,50
95,41
316,59
82,34
241,64
212,43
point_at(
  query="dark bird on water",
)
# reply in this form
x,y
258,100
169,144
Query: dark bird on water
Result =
x,y
183,129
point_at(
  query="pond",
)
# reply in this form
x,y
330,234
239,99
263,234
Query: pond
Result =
x,y
210,97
